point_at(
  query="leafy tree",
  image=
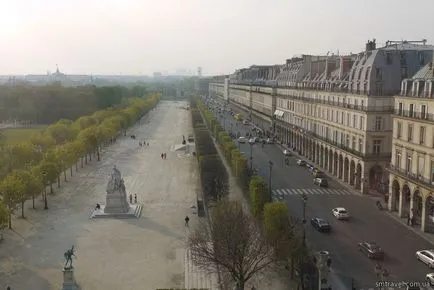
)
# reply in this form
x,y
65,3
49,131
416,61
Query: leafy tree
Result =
x,y
11,188
4,217
41,142
50,172
234,244
60,132
36,184
258,195
80,150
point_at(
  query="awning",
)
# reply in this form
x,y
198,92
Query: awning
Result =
x,y
279,113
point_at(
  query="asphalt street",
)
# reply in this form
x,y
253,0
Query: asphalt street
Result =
x,y
367,222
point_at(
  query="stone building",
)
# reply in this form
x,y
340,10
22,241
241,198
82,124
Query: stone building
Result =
x,y
412,165
335,110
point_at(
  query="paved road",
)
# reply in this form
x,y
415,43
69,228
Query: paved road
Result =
x,y
368,223
144,253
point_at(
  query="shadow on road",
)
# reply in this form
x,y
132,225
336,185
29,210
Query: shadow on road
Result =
x,y
149,224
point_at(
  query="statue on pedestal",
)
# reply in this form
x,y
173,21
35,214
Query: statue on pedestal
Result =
x,y
116,199
68,258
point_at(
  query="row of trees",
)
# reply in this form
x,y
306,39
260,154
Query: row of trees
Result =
x,y
213,175
274,228
49,103
30,167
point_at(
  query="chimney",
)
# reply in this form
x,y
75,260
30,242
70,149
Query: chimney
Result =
x,y
371,45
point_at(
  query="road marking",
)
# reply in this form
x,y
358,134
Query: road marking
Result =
x,y
283,192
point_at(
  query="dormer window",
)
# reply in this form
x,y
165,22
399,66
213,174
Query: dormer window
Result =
x,y
389,58
421,58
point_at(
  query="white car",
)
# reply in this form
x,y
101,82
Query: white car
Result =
x,y
426,257
301,162
341,213
286,152
242,140
252,141
270,141
430,279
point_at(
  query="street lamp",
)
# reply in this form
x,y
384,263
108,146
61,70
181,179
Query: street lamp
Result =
x,y
251,156
270,167
44,174
304,198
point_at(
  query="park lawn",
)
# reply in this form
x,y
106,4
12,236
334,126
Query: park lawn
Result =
x,y
18,135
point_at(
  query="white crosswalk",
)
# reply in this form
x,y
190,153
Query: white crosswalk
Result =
x,y
279,194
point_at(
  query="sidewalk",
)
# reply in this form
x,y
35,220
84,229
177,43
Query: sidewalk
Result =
x,y
144,253
268,279
429,237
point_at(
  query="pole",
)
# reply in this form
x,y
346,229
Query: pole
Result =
x,y
319,278
251,157
270,165
304,219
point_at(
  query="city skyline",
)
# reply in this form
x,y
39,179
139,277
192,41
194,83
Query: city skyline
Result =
x,y
143,37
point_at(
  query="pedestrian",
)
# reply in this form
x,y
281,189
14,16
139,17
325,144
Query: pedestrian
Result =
x,y
148,144
131,198
162,155
165,155
187,219
135,198
9,288
408,220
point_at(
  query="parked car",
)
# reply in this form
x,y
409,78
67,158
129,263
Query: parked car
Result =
x,y
320,182
270,141
371,249
301,162
318,174
242,140
430,279
286,152
252,141
426,257
245,122
320,225
341,213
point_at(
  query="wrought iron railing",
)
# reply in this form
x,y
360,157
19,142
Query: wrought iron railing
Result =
x,y
418,178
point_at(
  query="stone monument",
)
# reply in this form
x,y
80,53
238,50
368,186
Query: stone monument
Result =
x,y
117,205
68,271
116,199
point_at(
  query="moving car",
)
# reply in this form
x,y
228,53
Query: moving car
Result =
x,y
252,141
301,162
426,257
430,279
340,213
371,249
320,225
242,140
320,181
286,152
245,122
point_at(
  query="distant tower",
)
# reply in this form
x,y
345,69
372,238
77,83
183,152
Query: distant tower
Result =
x,y
199,72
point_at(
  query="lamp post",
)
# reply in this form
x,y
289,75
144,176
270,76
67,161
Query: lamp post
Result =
x,y
304,198
251,156
270,167
44,174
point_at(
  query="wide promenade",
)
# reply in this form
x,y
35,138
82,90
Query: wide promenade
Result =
x,y
367,224
145,253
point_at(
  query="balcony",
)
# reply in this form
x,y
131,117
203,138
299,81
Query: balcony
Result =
x,y
379,109
414,115
383,156
416,178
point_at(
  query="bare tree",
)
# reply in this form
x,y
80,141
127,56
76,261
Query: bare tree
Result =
x,y
234,244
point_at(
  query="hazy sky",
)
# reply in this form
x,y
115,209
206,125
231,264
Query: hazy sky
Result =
x,y
145,36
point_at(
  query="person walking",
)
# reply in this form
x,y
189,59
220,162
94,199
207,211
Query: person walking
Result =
x,y
187,220
131,198
135,198
162,155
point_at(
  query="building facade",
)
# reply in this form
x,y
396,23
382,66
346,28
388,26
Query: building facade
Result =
x,y
412,164
335,110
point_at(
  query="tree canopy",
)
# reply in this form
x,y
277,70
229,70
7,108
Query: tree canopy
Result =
x,y
29,167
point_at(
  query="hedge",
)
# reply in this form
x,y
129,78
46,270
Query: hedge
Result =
x,y
258,195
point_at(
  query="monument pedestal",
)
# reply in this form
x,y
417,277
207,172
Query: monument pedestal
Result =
x,y
69,280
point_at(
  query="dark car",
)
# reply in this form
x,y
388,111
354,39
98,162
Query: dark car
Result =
x,y
372,250
320,225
